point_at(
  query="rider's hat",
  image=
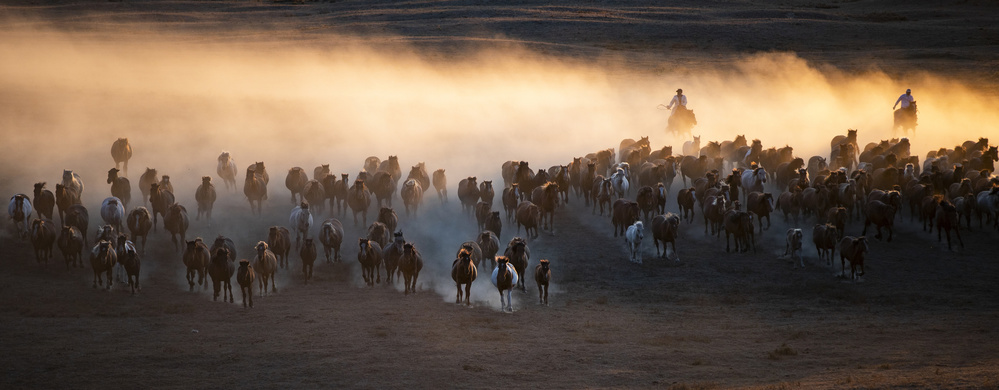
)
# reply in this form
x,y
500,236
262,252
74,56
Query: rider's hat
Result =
x,y
679,90
908,91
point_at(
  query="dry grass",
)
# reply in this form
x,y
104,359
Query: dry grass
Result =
x,y
781,352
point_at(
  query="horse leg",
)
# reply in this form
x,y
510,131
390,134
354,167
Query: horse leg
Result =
x,y
457,298
273,286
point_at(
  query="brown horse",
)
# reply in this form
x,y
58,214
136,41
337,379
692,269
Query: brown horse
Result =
x,y
308,254
518,254
370,257
196,259
624,214
160,199
121,152
70,243
255,189
221,269
853,249
266,264
419,173
139,223
494,223
279,243
488,242
44,201
78,217
468,193
245,276
881,215
295,182
359,200
543,276
410,265
103,259
947,220
665,228
331,235
146,181
482,211
412,195
65,199
547,198
121,188
175,221
43,236
486,191
511,197
825,237
505,279
463,272
205,196
315,193
646,200
391,255
528,216
440,184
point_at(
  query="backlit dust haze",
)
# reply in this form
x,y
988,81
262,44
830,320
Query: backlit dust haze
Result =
x,y
66,98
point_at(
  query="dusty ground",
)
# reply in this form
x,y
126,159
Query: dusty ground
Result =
x,y
921,317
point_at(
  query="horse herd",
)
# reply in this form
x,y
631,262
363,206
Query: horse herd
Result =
x,y
870,184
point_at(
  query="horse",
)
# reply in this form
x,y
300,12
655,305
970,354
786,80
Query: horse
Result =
x,y
128,259
647,201
308,255
518,254
391,255
379,233
265,263
314,192
205,196
73,182
760,204
418,172
295,182
543,276
624,213
740,225
412,195
370,257
146,181
43,200
78,217
113,213
331,236
665,228
221,269
255,189
121,152
338,201
619,180
175,221
853,249
43,235
488,242
825,237
547,197
634,237
681,121
227,170
196,258
245,276
505,278
511,198
881,215
160,200
528,216
693,147
279,243
102,260
685,200
474,249
359,200
321,172
468,193
301,221
258,169
482,211
121,188
793,244
70,242
463,272
905,119
19,210
440,184
947,220
753,180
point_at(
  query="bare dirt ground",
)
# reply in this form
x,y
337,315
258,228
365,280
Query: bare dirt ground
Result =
x,y
921,317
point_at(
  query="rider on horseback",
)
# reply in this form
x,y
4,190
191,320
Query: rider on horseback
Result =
x,y
678,100
680,119
906,99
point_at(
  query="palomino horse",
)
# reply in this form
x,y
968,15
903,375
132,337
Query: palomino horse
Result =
x,y
121,152
227,170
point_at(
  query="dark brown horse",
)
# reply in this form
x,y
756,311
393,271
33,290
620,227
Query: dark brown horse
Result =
x,y
463,272
255,189
121,188
543,276
410,265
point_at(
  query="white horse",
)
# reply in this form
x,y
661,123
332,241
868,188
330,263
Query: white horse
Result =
x,y
301,222
505,281
227,170
753,180
112,212
73,182
634,237
692,148
19,210
619,180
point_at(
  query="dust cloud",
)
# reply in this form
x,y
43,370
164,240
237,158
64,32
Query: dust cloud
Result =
x,y
65,97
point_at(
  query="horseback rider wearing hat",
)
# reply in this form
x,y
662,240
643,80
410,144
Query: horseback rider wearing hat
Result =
x,y
906,99
678,101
